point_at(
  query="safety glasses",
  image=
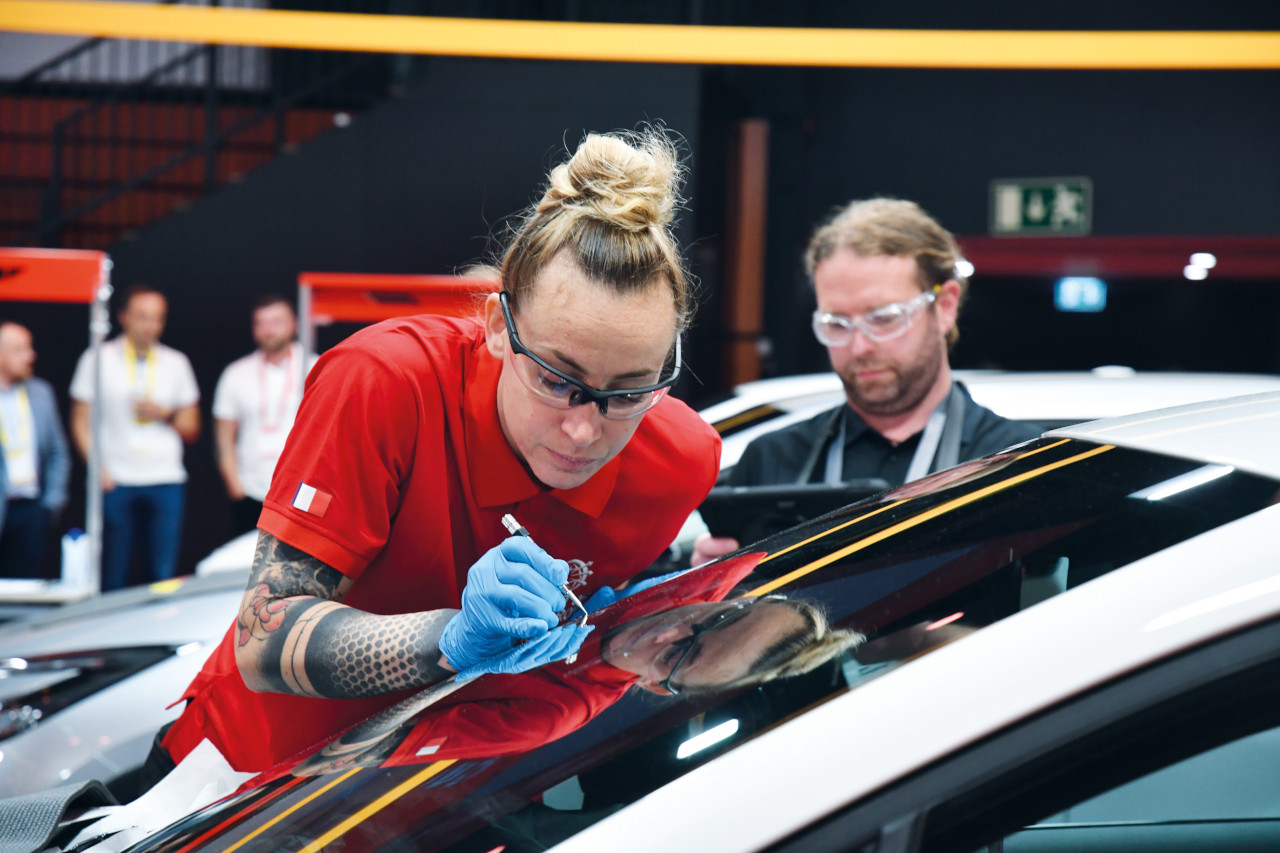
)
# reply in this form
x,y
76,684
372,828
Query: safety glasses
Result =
x,y
716,622
557,388
883,324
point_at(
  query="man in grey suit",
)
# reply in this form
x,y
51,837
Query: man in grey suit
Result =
x,y
35,465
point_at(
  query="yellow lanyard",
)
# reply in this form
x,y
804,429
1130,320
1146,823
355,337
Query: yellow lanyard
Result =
x,y
24,419
131,369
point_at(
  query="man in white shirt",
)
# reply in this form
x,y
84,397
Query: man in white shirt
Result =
x,y
254,406
35,465
150,409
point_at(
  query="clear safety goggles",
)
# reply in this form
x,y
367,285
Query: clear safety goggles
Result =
x,y
557,388
883,324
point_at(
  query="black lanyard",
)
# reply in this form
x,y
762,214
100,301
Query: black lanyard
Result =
x,y
939,442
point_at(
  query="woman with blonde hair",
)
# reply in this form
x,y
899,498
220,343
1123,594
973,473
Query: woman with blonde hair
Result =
x,y
382,563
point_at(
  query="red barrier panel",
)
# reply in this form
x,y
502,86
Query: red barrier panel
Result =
x,y
1135,256
73,276
368,298
50,275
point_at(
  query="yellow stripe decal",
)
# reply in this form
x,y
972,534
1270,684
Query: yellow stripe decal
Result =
x,y
293,808
828,532
927,515
1057,443
379,804
752,414
647,42
861,518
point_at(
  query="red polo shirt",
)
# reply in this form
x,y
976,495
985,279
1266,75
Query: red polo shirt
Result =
x,y
397,474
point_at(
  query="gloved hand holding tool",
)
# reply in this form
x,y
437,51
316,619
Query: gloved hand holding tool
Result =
x,y
556,644
511,595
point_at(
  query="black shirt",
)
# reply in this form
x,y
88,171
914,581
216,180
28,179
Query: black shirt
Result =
x,y
777,458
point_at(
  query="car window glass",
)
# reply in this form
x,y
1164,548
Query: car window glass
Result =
x,y
1236,781
1224,799
915,568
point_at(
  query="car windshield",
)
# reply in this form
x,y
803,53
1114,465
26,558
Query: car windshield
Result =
x,y
521,762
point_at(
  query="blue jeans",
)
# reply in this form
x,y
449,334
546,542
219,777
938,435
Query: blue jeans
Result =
x,y
147,515
26,526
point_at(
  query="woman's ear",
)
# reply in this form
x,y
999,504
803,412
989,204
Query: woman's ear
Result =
x,y
495,327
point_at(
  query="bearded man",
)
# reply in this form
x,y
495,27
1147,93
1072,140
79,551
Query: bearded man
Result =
x,y
888,290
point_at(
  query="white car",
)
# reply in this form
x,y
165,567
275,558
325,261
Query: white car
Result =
x,y
1140,711
1048,399
103,671
1071,645
84,687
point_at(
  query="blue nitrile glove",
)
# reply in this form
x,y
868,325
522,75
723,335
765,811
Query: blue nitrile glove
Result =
x,y
556,644
606,595
510,595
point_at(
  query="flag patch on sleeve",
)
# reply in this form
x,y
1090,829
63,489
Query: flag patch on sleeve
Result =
x,y
312,500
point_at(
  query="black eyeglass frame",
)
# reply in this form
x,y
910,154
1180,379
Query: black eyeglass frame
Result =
x,y
715,623
586,394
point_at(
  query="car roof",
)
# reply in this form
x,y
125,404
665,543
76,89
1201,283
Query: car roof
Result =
x,y
1053,396
1102,392
1048,398
1240,432
1032,660
175,611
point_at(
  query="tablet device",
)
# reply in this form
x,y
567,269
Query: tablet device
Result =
x,y
748,513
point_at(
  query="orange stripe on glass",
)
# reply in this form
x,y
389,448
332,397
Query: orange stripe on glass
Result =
x,y
917,520
378,805
293,808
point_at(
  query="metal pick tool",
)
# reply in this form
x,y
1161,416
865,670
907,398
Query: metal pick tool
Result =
x,y
515,528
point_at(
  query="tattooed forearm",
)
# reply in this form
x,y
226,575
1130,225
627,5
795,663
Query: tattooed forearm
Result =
x,y
287,571
293,635
377,654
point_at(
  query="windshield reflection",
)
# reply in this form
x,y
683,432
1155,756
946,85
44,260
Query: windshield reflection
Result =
x,y
694,635
913,569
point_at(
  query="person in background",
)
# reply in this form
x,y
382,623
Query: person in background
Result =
x,y
36,463
150,409
889,290
254,406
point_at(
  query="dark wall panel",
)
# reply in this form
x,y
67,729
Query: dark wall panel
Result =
x,y
418,184
413,186
1168,153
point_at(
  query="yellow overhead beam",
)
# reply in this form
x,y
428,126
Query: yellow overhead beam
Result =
x,y
648,42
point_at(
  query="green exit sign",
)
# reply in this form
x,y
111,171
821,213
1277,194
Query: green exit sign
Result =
x,y
1041,206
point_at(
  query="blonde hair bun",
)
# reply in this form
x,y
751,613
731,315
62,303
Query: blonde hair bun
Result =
x,y
628,180
612,206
